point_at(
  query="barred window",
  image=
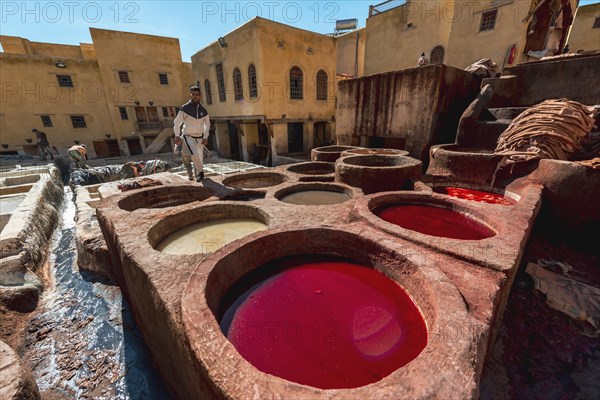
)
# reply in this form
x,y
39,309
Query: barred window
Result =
x,y
237,85
64,80
296,77
124,76
488,20
207,91
252,81
163,78
78,121
46,121
123,112
437,55
596,23
321,85
221,82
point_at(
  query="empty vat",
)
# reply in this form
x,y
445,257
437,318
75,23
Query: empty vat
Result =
x,y
164,196
380,152
254,180
314,194
329,153
378,173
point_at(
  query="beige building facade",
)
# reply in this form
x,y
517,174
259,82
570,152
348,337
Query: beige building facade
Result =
x,y
268,86
460,32
117,95
585,33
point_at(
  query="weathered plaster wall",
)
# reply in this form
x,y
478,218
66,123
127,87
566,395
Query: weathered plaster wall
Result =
x,y
422,105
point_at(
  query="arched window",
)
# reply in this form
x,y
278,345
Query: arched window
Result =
x,y
207,91
437,55
321,85
296,84
252,81
237,85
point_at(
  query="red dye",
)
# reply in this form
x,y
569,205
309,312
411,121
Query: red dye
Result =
x,y
326,323
476,195
434,221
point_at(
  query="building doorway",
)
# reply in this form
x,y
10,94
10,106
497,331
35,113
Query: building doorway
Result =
x,y
134,146
321,136
295,137
234,141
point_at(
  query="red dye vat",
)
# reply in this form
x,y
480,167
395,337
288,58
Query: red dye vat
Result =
x,y
434,221
476,195
324,322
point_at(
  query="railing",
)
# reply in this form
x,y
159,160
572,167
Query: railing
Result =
x,y
385,6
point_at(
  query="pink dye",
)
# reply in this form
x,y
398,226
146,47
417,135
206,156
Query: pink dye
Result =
x,y
434,221
476,195
327,324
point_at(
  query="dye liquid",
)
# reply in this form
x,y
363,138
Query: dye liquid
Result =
x,y
434,221
315,197
208,237
476,195
323,322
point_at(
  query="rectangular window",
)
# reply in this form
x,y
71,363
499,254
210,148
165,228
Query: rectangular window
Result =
x,y
123,112
46,121
165,112
163,78
64,80
596,23
221,82
78,121
124,76
488,20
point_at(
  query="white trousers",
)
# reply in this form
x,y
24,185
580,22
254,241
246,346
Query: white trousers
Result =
x,y
192,148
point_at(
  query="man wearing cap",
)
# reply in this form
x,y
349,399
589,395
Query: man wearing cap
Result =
x,y
192,127
78,154
42,144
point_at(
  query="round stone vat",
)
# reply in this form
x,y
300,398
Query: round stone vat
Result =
x,y
489,195
378,173
397,213
254,180
164,196
462,164
379,152
329,153
326,329
205,229
314,194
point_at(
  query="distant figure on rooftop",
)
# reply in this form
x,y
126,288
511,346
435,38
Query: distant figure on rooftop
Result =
x,y
42,144
422,60
78,154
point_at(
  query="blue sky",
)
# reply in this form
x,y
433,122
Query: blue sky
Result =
x,y
195,23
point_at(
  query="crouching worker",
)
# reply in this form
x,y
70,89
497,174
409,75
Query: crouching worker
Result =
x,y
78,154
193,123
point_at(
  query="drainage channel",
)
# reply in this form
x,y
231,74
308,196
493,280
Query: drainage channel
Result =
x,y
83,341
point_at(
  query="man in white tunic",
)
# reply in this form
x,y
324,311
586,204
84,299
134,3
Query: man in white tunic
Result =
x,y
192,128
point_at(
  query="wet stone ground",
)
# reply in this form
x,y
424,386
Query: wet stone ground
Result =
x,y
83,341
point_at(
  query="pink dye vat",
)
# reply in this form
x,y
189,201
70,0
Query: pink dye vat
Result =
x,y
326,323
434,221
476,195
